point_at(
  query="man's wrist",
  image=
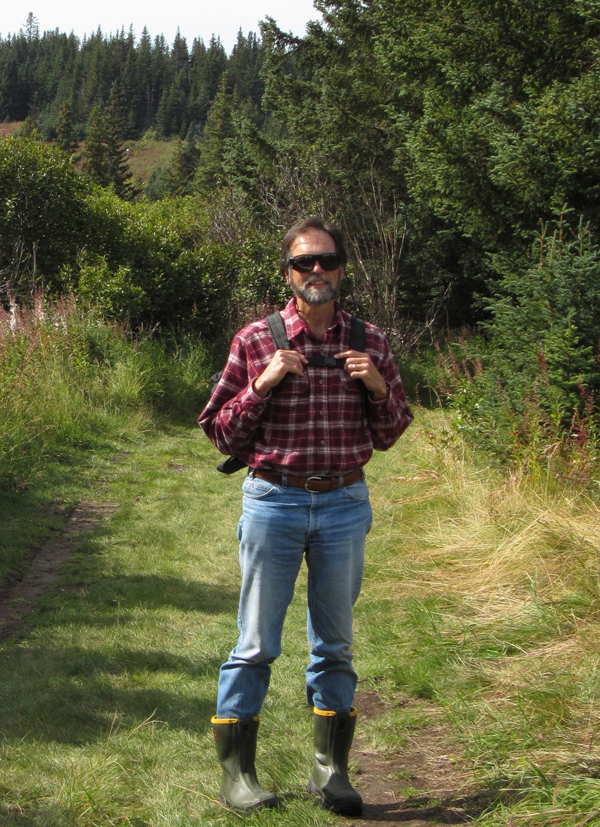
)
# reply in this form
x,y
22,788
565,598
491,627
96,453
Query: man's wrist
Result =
x,y
260,388
380,393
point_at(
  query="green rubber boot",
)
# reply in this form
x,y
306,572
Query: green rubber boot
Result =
x,y
236,748
333,735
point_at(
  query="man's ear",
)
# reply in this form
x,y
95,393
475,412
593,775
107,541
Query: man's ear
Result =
x,y
342,272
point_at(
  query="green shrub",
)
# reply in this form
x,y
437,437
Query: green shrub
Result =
x,y
43,212
533,380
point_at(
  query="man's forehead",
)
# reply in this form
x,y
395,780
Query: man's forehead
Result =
x,y
321,241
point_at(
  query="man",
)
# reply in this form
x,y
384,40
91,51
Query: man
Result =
x,y
305,431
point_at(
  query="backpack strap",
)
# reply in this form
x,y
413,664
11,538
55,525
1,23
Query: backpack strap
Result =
x,y
358,338
358,335
358,341
277,331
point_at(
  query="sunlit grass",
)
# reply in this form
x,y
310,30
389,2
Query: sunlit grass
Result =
x,y
479,615
147,155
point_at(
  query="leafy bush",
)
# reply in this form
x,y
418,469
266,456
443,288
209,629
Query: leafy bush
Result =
x,y
179,263
43,213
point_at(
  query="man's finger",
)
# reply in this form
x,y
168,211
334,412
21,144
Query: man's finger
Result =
x,y
346,353
294,354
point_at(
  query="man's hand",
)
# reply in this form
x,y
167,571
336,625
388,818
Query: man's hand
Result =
x,y
284,361
360,366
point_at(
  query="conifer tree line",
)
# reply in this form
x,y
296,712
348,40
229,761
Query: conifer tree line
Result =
x,y
457,143
168,87
442,135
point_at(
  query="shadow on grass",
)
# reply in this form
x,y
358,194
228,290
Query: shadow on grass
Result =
x,y
75,695
71,694
148,592
15,816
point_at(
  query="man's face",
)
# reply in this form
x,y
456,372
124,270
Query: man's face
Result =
x,y
319,286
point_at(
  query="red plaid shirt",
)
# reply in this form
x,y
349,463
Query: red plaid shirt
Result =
x,y
316,423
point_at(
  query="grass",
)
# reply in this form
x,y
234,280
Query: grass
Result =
x,y
8,128
72,387
478,621
147,155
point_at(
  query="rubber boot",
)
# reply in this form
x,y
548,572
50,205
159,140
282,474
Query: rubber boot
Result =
x,y
236,748
333,733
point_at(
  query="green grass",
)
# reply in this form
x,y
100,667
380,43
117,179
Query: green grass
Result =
x,y
479,615
147,155
74,390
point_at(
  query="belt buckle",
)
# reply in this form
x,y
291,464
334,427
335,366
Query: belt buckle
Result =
x,y
310,490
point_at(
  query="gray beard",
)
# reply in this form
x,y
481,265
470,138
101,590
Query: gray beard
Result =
x,y
315,296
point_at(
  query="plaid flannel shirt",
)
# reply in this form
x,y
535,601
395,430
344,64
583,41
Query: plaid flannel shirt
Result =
x,y
316,423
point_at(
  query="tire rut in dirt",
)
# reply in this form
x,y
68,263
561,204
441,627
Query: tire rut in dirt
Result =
x,y
43,565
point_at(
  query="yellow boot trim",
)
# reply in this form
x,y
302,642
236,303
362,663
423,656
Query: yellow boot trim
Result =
x,y
329,713
215,720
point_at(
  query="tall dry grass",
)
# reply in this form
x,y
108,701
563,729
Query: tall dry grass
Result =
x,y
495,588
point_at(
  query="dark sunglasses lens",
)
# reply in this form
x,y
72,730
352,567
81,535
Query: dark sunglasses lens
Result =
x,y
304,264
329,261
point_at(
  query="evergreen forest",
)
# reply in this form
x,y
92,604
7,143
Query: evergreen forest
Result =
x,y
456,143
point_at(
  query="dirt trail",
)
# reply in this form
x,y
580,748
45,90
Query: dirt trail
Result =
x,y
42,569
425,785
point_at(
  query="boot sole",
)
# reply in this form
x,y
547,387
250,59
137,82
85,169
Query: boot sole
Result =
x,y
351,808
268,804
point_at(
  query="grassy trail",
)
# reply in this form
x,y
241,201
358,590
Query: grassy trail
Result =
x,y
476,647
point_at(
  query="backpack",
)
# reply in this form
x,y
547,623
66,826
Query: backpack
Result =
x,y
358,339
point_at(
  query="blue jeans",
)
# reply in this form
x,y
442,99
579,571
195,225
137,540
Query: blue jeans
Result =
x,y
278,527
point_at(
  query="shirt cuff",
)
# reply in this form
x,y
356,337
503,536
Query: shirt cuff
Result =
x,y
250,398
379,403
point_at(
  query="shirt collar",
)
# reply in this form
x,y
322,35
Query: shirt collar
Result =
x,y
294,325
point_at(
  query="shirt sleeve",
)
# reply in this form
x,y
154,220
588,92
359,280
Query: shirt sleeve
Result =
x,y
389,417
234,410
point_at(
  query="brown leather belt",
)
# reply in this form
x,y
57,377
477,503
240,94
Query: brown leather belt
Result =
x,y
315,484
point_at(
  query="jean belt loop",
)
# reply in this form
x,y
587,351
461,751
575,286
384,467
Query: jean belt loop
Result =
x,y
284,479
340,481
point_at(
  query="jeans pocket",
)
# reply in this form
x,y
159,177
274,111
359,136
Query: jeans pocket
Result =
x,y
257,489
358,492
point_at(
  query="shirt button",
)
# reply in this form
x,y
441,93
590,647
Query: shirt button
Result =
x,y
322,442
322,353
320,381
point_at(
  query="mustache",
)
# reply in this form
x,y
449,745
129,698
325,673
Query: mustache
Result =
x,y
323,277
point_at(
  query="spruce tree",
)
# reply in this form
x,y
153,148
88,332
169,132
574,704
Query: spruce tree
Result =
x,y
219,128
116,154
95,161
144,81
183,166
65,133
29,129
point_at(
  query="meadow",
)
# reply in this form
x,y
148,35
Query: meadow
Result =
x,y
476,630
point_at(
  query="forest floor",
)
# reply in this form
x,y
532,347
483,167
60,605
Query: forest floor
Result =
x,y
476,645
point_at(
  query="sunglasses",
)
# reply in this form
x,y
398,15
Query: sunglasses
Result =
x,y
305,264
